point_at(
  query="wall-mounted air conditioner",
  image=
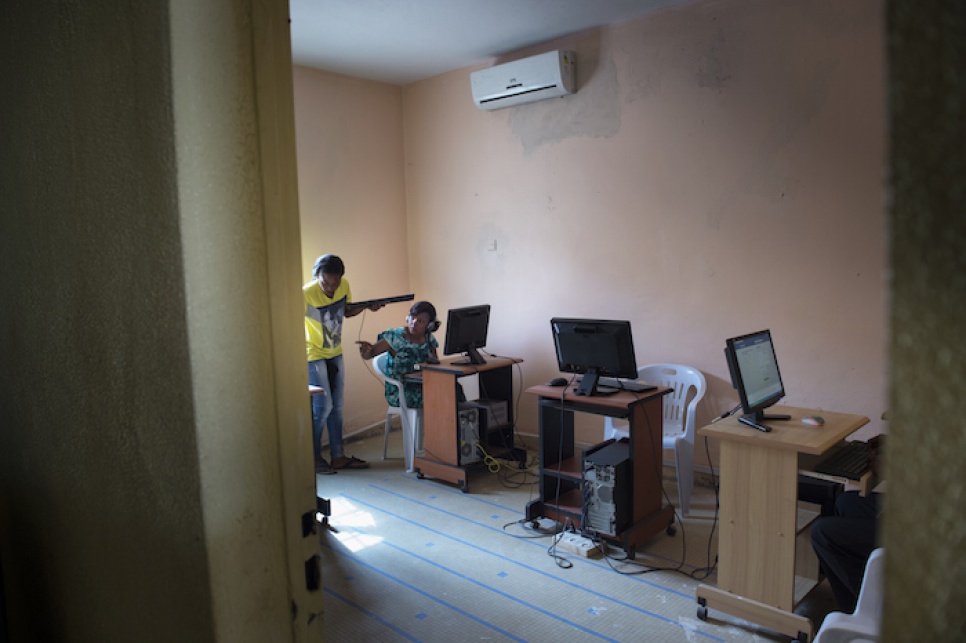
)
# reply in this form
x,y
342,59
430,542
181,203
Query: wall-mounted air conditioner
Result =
x,y
523,81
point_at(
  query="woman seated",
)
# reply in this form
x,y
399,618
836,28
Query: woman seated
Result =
x,y
408,345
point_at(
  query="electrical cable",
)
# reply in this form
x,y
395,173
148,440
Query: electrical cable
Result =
x,y
707,571
726,414
508,475
700,573
659,471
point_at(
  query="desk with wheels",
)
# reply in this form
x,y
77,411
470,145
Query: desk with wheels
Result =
x,y
441,426
766,564
561,469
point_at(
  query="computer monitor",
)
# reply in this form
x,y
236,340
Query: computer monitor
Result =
x,y
466,332
754,373
595,348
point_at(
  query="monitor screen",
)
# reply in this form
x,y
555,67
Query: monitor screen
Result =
x,y
466,332
754,373
595,348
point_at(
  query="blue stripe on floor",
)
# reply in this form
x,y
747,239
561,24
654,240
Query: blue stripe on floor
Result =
x,y
370,613
517,563
517,511
490,527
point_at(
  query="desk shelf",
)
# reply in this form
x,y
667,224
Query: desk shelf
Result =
x,y
570,468
562,466
441,426
762,573
570,504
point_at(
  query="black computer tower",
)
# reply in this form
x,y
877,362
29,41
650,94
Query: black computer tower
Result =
x,y
608,487
471,427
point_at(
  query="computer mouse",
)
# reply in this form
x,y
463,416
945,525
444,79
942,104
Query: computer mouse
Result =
x,y
557,381
813,420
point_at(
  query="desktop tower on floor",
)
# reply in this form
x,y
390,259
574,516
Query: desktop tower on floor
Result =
x,y
607,487
470,429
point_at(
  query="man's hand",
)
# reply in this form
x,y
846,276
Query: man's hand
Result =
x,y
876,451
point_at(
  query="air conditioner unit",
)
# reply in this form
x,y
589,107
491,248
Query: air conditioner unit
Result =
x,y
524,81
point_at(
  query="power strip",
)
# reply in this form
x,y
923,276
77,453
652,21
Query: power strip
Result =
x,y
580,545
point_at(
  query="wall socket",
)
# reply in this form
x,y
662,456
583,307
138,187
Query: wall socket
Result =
x,y
578,544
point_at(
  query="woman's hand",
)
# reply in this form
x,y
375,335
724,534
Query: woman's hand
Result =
x,y
365,350
368,351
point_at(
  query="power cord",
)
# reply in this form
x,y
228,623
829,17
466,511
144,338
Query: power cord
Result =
x,y
726,414
658,468
491,463
700,573
561,561
533,525
711,567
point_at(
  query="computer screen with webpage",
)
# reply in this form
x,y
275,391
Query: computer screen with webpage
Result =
x,y
755,374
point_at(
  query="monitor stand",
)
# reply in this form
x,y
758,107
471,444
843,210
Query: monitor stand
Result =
x,y
473,357
762,417
588,384
755,419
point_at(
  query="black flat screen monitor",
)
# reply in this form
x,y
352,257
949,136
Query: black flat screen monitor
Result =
x,y
594,348
754,373
466,332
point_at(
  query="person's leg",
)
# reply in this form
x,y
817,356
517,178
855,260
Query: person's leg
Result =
x,y
335,376
321,407
852,505
843,544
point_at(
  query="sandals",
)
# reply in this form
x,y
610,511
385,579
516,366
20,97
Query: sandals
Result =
x,y
349,463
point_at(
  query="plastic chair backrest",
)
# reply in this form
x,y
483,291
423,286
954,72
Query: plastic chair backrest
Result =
x,y
865,623
869,604
679,409
379,364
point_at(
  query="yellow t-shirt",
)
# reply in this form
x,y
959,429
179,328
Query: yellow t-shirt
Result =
x,y
323,319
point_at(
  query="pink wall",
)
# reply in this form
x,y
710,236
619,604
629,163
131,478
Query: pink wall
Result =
x,y
719,170
352,203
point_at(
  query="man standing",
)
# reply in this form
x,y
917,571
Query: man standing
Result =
x,y
327,304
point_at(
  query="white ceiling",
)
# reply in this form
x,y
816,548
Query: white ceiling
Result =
x,y
402,41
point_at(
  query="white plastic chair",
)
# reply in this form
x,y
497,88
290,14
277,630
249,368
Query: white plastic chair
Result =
x,y
411,419
678,425
862,625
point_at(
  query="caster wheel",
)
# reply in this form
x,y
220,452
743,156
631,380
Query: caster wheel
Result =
x,y
419,475
702,612
464,486
671,530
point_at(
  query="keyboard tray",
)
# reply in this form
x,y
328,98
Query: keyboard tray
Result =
x,y
847,460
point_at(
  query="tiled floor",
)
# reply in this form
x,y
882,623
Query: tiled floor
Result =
x,y
418,560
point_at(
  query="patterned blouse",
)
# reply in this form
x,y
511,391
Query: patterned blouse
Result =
x,y
408,354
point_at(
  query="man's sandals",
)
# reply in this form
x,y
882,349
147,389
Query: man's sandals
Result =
x,y
349,462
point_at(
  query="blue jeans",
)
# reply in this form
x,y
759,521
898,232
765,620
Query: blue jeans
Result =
x,y
327,409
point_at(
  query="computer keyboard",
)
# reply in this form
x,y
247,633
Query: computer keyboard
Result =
x,y
635,386
850,460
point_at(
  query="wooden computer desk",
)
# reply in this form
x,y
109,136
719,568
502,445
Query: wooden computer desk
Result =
x,y
441,440
561,468
766,564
